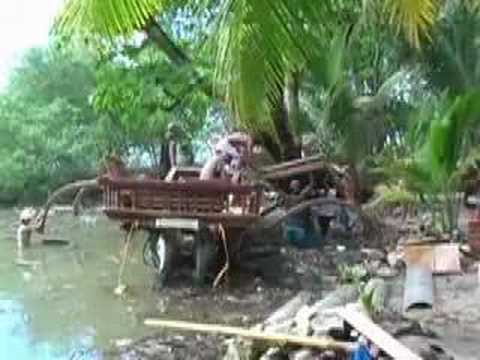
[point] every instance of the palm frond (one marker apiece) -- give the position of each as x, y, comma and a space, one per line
444, 148
107, 17
259, 43
412, 17
453, 57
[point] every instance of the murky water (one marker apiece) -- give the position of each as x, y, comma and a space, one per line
64, 306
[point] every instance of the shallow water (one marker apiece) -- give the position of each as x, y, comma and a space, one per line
64, 307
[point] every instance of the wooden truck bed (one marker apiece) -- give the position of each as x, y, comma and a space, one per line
212, 201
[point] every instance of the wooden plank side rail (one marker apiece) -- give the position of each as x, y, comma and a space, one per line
196, 186
377, 335
133, 199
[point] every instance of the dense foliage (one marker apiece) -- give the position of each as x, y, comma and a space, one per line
357, 78
46, 124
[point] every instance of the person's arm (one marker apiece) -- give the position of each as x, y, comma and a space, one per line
212, 166
208, 169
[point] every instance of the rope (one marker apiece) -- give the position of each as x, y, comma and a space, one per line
225, 268
126, 247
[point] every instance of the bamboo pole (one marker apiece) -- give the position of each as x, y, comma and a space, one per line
281, 339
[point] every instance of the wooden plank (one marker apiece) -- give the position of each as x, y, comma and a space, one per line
377, 335
447, 259
440, 258
308, 341
298, 170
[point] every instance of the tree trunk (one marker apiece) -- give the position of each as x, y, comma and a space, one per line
288, 147
285, 149
354, 191
165, 164
271, 145
292, 102
174, 53
155, 32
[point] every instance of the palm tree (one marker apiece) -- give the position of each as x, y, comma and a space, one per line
261, 46
452, 59
355, 127
441, 155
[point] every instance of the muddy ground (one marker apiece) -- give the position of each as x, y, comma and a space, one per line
248, 297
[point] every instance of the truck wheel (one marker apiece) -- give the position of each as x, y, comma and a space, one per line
162, 247
205, 253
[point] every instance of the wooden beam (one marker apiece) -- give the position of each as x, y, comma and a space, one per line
292, 163
282, 339
377, 335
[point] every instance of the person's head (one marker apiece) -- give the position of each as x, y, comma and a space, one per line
226, 151
295, 186
26, 216
227, 158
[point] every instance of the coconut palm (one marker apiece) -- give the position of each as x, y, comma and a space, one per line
439, 156
261, 46
452, 59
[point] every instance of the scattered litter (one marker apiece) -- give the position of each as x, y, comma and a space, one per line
377, 335
362, 352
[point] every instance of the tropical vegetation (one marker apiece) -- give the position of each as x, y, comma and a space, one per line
370, 83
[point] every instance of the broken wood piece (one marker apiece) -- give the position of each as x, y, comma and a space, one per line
307, 341
440, 258
447, 259
377, 335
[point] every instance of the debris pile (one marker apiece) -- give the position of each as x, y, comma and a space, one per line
350, 318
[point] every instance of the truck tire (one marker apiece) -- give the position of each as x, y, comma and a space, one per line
205, 251
162, 247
